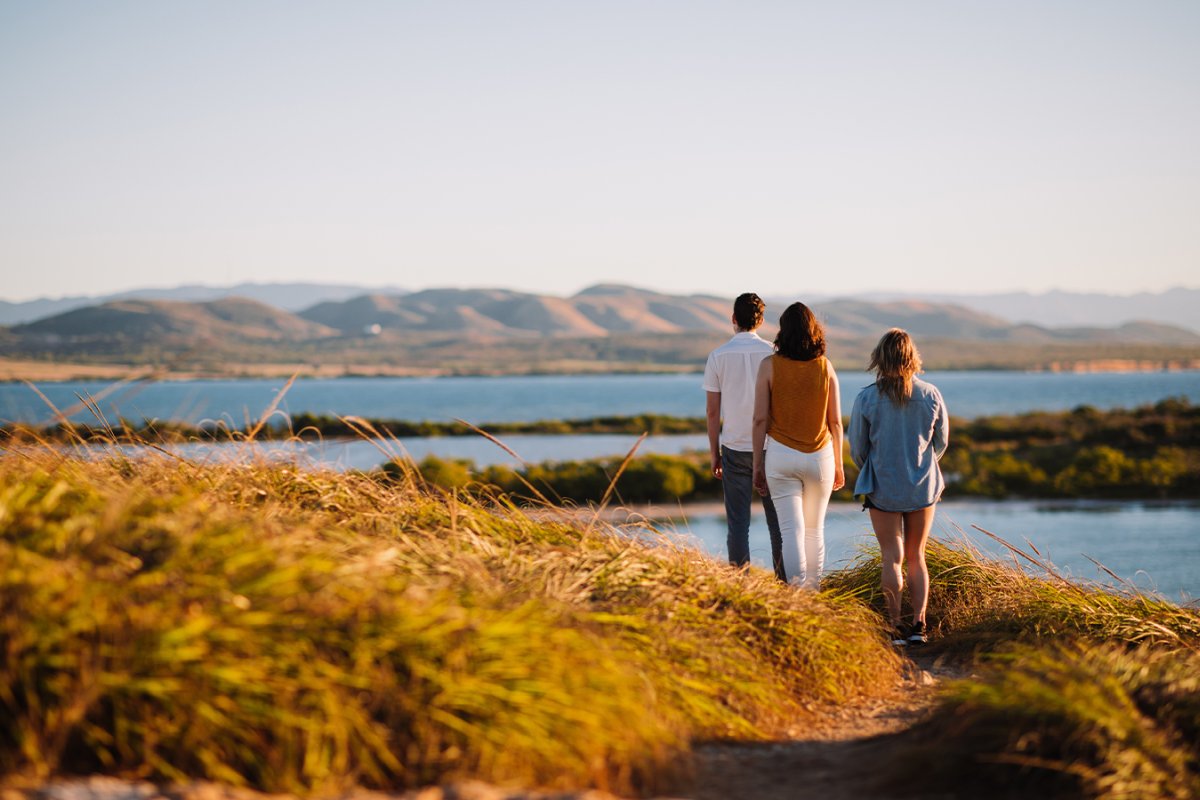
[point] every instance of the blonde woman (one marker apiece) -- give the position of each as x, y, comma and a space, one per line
797, 441
899, 428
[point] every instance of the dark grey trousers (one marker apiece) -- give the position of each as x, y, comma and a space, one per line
737, 481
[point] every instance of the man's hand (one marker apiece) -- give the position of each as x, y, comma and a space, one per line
717, 471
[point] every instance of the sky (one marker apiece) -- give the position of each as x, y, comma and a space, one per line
681, 145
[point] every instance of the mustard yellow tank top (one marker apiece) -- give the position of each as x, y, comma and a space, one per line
799, 402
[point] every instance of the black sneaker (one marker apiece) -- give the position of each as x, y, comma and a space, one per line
917, 635
899, 636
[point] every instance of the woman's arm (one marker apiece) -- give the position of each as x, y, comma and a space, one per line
941, 427
833, 418
762, 417
860, 434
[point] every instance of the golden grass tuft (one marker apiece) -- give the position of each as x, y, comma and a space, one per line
1078, 690
1066, 720
977, 603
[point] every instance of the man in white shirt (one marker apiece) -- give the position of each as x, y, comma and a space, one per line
729, 380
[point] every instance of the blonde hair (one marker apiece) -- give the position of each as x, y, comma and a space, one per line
895, 361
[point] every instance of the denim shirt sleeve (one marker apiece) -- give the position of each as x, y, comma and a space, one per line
859, 432
941, 426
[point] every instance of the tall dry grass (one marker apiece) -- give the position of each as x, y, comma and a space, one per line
978, 603
1077, 690
1065, 719
296, 630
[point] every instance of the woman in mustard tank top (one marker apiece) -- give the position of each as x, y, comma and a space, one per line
797, 439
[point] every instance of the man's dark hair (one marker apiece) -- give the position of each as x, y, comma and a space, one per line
748, 311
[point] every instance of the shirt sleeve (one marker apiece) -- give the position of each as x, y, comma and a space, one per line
941, 426
712, 380
859, 433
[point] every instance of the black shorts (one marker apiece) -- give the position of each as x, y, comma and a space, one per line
868, 504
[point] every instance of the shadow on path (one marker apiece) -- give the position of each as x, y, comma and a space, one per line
844, 759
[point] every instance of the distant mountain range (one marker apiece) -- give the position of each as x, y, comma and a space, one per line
1058, 309
1049, 310
598, 311
497, 314
287, 296
235, 318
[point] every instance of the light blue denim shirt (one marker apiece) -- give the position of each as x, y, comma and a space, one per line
897, 448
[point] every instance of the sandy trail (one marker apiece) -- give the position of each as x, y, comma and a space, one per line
837, 760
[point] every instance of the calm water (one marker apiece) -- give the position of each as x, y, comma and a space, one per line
528, 398
1154, 546
531, 449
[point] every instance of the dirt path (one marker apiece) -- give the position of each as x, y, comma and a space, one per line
839, 760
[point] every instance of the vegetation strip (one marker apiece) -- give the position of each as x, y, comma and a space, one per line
321, 426
1147, 453
1151, 452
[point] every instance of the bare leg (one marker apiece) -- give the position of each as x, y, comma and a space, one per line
889, 532
917, 525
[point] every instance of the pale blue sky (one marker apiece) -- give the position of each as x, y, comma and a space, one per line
690, 146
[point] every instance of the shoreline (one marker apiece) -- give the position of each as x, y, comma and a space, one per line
664, 512
23, 370
1120, 366
14, 371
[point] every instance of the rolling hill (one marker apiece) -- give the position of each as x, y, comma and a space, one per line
599, 311
287, 296
231, 318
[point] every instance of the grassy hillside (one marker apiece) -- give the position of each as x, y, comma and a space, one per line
301, 631
1075, 691
1066, 719
294, 631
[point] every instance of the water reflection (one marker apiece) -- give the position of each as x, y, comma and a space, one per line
1154, 546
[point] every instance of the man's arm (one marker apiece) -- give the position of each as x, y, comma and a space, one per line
762, 419
713, 416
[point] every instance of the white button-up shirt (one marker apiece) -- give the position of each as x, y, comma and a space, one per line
732, 370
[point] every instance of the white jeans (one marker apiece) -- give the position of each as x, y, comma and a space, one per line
800, 485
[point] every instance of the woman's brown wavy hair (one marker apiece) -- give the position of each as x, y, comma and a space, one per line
801, 337
895, 361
